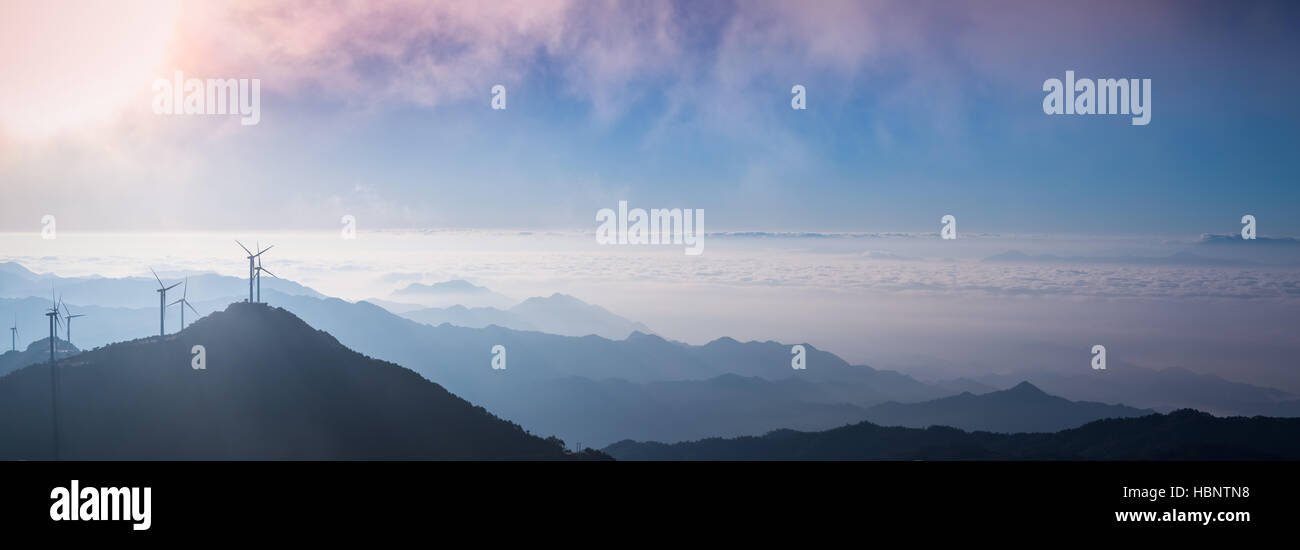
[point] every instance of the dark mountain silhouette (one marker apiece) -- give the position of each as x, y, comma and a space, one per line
1159, 389
36, 352
565, 385
1181, 435
1023, 408
274, 388
598, 390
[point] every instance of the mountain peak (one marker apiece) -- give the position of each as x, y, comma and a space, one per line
272, 387
556, 297
1024, 387
455, 286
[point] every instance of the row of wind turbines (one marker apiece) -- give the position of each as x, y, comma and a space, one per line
58, 319
54, 316
255, 270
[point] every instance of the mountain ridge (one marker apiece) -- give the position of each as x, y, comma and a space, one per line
1184, 434
274, 388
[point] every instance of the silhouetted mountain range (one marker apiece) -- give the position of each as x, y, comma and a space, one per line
1180, 435
550, 383
600, 390
36, 352
274, 388
451, 293
100, 326
557, 314
17, 281
1159, 389
1024, 408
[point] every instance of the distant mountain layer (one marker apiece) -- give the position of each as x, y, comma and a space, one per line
606, 411
597, 391
600, 412
36, 352
1159, 389
273, 388
1023, 408
556, 314
101, 325
17, 281
1181, 435
451, 293
590, 389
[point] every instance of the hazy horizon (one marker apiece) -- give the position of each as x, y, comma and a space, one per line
931, 308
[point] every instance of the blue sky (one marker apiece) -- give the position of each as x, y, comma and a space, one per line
916, 110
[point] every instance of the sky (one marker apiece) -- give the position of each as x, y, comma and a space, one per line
915, 110
381, 110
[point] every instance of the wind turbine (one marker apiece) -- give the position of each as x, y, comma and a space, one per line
69, 316
185, 290
13, 335
162, 302
252, 269
53, 314
260, 269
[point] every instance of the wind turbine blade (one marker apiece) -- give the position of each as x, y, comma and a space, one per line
65, 308
241, 245
176, 302
187, 304
173, 286
155, 276
265, 249
268, 272
186, 289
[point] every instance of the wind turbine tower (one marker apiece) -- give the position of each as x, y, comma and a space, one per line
162, 302
185, 291
13, 335
53, 314
260, 269
252, 268
69, 316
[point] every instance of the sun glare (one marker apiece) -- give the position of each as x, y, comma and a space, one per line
67, 65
